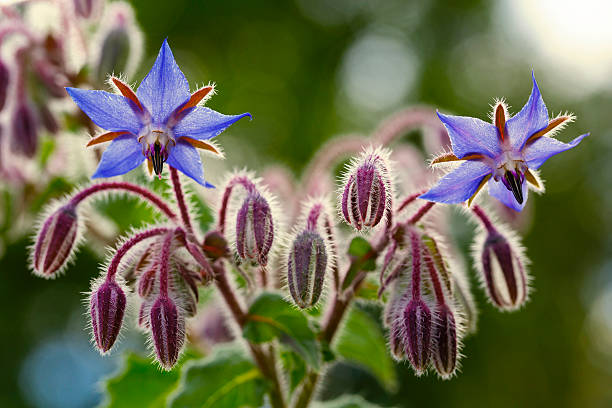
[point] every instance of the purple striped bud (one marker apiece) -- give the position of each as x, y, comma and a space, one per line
503, 272
306, 264
417, 321
444, 351
367, 191
107, 307
167, 328
5, 76
146, 282
55, 242
24, 137
254, 229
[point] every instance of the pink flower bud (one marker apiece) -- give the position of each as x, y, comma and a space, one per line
24, 135
367, 191
503, 272
167, 328
55, 242
417, 321
306, 264
107, 307
254, 229
444, 341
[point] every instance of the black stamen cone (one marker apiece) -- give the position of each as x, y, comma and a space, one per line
515, 186
157, 159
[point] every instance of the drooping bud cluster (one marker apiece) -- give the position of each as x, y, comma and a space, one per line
367, 193
56, 241
501, 264
420, 314
307, 255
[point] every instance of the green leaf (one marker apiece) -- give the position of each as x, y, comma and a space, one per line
295, 368
227, 378
361, 254
347, 401
139, 384
203, 214
363, 343
271, 316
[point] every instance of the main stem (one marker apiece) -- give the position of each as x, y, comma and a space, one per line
266, 363
180, 199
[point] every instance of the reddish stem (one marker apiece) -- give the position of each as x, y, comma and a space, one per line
164, 260
180, 199
416, 264
243, 181
421, 212
129, 187
409, 200
486, 221
129, 244
435, 279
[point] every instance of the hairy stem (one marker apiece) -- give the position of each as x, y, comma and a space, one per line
129, 244
421, 212
180, 199
152, 198
484, 218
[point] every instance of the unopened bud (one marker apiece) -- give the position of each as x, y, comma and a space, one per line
55, 242
367, 190
107, 307
115, 53
146, 282
306, 264
215, 245
254, 229
503, 272
4, 83
24, 136
85, 8
397, 334
167, 328
417, 321
444, 341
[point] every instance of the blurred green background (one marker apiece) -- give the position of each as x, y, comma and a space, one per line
309, 70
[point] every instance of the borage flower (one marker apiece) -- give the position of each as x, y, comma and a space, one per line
505, 154
160, 122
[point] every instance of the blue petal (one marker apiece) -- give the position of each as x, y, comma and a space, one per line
204, 123
109, 111
185, 158
122, 155
164, 88
542, 149
471, 136
498, 190
532, 118
458, 185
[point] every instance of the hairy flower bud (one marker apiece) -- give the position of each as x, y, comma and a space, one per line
444, 335
55, 242
5, 76
417, 321
254, 229
107, 307
85, 8
503, 272
167, 328
215, 245
146, 282
24, 136
367, 190
306, 264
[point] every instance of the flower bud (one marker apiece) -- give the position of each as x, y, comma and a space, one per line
306, 264
444, 351
5, 76
167, 328
417, 321
254, 229
107, 307
55, 242
503, 273
215, 245
367, 190
24, 137
85, 8
114, 54
397, 333
146, 282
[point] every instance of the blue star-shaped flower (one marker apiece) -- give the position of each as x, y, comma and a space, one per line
160, 122
505, 154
